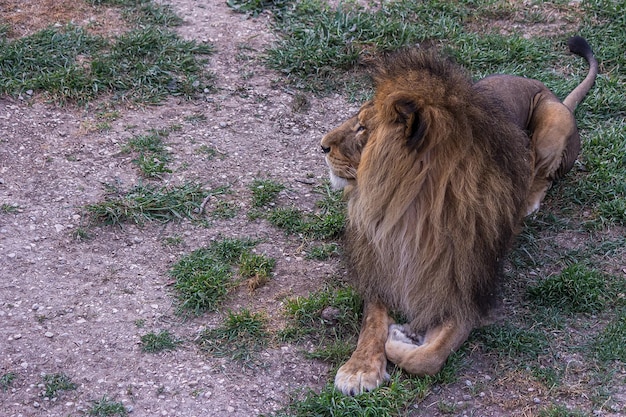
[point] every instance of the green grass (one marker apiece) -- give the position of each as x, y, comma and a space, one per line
264, 192
330, 314
327, 222
224, 210
610, 344
149, 203
512, 341
104, 407
158, 342
322, 252
6, 380
203, 278
54, 383
561, 411
577, 289
146, 64
241, 337
392, 399
9, 208
251, 265
254, 7
152, 157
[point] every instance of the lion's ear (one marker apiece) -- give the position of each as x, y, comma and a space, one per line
407, 112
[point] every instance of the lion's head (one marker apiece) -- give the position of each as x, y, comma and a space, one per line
343, 146
441, 180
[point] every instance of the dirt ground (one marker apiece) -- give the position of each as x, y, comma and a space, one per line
68, 306
72, 306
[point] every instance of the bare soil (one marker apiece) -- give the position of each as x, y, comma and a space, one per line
71, 307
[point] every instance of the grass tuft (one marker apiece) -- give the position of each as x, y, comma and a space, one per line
577, 289
105, 407
54, 383
264, 192
203, 278
391, 399
152, 156
158, 342
610, 344
145, 64
6, 380
327, 222
240, 337
509, 341
325, 316
149, 203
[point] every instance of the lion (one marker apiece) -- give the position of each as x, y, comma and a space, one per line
439, 175
439, 193
555, 141
409, 226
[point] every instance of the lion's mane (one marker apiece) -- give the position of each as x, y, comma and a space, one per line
440, 192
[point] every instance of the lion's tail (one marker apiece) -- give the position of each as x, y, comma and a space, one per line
580, 47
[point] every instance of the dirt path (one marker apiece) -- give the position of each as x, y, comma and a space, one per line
72, 307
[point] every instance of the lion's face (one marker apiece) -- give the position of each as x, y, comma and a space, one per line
343, 146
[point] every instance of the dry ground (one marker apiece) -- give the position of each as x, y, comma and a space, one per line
71, 307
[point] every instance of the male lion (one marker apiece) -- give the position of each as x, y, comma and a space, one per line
555, 142
439, 179
440, 191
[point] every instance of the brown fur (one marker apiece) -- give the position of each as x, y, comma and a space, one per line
439, 193
551, 124
555, 142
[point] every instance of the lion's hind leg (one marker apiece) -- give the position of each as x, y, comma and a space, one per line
425, 355
556, 144
367, 367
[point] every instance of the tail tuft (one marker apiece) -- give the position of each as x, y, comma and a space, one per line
579, 46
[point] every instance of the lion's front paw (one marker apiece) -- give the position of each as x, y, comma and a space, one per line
356, 377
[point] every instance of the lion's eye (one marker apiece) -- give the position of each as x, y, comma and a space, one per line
360, 128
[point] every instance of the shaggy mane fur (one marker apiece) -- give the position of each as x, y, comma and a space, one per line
440, 192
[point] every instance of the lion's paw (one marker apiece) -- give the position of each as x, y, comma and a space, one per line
357, 377
402, 334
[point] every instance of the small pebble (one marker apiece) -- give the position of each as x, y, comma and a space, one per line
49, 334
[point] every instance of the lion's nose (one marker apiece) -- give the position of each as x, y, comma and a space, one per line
325, 149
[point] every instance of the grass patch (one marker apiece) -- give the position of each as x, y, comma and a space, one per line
561, 411
6, 380
224, 210
257, 269
9, 208
264, 192
203, 278
240, 337
391, 399
158, 342
144, 12
254, 7
145, 64
327, 222
330, 317
577, 289
610, 344
104, 407
319, 40
54, 383
152, 156
149, 203
510, 341
322, 252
